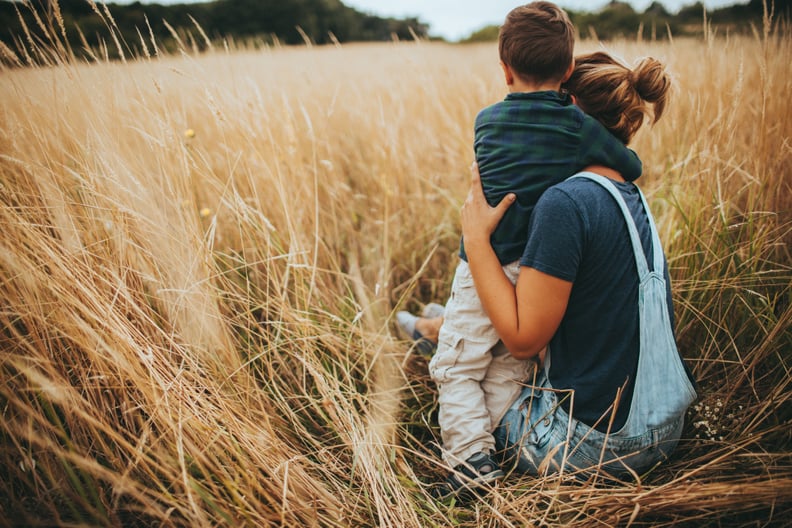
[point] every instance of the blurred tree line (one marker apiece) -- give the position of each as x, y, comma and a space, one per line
620, 19
242, 21
136, 27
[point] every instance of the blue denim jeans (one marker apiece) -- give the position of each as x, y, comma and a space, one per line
540, 438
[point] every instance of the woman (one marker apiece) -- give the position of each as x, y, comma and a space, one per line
593, 289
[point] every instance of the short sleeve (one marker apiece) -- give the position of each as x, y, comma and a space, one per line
556, 236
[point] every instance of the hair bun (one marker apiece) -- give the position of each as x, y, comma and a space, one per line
616, 95
652, 83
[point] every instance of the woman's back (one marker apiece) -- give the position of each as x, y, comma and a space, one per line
594, 350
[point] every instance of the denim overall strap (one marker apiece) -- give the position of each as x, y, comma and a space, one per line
662, 390
640, 258
657, 249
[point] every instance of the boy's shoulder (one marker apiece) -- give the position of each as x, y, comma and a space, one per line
545, 98
531, 107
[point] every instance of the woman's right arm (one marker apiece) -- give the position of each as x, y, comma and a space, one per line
526, 316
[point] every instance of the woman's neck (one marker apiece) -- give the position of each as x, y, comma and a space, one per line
605, 171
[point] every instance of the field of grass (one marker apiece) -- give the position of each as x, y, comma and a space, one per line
201, 257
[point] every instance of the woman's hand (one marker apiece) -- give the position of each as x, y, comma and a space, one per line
479, 220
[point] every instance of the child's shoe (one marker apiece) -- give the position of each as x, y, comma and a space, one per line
406, 322
476, 476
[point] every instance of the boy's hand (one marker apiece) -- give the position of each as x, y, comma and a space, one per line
479, 220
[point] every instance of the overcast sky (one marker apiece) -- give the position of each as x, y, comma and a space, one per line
455, 19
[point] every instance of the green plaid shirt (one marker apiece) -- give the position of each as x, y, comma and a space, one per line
529, 142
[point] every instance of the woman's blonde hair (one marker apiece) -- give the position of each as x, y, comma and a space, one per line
617, 96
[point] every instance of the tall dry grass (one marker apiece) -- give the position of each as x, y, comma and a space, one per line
197, 328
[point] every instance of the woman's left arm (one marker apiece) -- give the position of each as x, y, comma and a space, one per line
526, 316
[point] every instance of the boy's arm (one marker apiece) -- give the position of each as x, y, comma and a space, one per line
600, 147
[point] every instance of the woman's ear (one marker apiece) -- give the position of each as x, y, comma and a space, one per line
574, 99
508, 74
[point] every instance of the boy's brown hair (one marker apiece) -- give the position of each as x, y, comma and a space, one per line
537, 41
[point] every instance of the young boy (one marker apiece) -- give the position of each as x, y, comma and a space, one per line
524, 144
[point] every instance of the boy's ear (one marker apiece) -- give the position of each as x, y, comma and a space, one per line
569, 71
508, 74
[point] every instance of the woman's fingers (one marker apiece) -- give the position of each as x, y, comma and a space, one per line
504, 204
476, 212
475, 192
475, 177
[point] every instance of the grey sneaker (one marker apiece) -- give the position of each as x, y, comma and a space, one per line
433, 310
406, 322
476, 476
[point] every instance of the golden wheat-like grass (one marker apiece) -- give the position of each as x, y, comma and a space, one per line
200, 256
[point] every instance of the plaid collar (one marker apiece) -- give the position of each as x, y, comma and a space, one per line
552, 96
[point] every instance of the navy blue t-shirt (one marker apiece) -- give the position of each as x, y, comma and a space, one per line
578, 234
